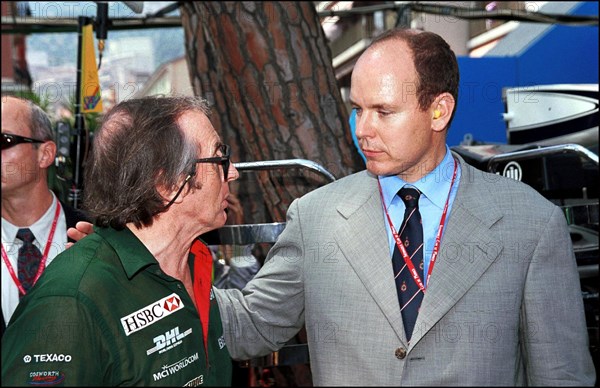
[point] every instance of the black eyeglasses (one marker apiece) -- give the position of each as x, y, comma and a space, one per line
9, 140
222, 160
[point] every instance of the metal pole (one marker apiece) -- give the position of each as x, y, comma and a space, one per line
79, 119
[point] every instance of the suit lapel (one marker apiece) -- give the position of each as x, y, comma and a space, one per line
362, 239
468, 248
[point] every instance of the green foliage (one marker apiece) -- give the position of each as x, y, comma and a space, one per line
32, 96
91, 119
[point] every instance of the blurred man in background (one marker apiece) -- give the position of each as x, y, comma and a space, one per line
34, 221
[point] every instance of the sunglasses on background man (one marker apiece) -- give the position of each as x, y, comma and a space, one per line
9, 140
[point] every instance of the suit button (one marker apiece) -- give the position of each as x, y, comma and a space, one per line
400, 353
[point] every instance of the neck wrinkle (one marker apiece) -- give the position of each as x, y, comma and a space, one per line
26, 210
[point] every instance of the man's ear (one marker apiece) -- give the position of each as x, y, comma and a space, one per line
168, 193
441, 111
46, 154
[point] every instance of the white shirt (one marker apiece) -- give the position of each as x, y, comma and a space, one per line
11, 244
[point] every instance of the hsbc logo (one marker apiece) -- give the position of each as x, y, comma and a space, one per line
172, 303
150, 314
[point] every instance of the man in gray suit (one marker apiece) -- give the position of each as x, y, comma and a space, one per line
501, 301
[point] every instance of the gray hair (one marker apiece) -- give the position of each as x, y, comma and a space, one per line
39, 123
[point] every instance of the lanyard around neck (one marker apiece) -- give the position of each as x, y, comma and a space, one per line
438, 237
44, 257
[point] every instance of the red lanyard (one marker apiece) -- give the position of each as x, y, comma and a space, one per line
44, 257
438, 237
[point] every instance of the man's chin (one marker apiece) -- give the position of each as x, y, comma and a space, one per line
379, 169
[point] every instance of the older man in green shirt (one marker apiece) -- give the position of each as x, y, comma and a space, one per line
132, 304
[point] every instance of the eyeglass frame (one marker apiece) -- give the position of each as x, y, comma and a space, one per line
19, 140
223, 160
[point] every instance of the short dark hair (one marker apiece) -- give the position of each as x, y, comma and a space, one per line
434, 60
139, 147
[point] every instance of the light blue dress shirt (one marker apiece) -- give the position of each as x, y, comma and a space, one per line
434, 188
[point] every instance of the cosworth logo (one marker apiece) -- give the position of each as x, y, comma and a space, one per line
150, 314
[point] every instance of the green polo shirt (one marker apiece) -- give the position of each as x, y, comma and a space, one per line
104, 313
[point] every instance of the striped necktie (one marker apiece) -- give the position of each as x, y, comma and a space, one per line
411, 235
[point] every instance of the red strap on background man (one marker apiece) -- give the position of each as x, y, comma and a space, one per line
203, 262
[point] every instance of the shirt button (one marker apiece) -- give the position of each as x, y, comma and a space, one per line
179, 286
400, 353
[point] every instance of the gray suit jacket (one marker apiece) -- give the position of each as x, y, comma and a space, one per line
503, 306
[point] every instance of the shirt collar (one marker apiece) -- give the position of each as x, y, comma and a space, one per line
9, 232
434, 186
132, 253
40, 228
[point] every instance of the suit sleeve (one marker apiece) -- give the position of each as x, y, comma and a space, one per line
554, 331
270, 309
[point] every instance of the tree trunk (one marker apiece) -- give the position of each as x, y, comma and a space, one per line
265, 68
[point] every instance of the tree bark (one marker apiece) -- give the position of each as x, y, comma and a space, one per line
265, 67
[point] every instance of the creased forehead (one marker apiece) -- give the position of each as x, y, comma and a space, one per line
16, 106
16, 116
386, 68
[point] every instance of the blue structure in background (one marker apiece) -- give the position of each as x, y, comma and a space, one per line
558, 55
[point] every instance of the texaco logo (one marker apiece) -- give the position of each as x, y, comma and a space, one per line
513, 170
